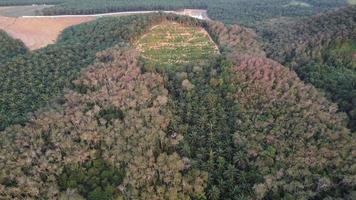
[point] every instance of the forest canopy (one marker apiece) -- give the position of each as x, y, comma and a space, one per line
321, 50
10, 47
258, 105
30, 81
249, 13
238, 126
28, 2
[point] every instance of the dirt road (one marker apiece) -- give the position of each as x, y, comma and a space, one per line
196, 13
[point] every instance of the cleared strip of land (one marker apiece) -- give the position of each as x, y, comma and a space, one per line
196, 13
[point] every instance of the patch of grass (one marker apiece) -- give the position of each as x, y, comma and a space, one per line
170, 44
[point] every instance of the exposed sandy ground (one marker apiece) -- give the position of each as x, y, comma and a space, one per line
38, 33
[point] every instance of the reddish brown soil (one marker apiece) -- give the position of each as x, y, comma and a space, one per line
38, 32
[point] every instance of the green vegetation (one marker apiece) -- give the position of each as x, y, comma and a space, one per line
28, 2
229, 11
171, 44
79, 138
342, 53
18, 11
321, 51
239, 130
93, 6
32, 80
335, 72
236, 126
243, 12
239, 126
93, 179
10, 47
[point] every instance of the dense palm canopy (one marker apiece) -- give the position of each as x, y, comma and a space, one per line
111, 126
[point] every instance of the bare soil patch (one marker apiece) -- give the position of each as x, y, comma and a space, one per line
38, 32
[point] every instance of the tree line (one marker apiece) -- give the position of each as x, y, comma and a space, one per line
248, 13
28, 2
10, 47
307, 47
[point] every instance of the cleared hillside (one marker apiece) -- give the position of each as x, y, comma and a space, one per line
172, 44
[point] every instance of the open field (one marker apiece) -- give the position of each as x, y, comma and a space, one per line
38, 33
17, 11
172, 44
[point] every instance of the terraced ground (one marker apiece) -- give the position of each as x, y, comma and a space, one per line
170, 44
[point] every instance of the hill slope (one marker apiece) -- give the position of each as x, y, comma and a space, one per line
313, 49
10, 47
32, 80
239, 125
